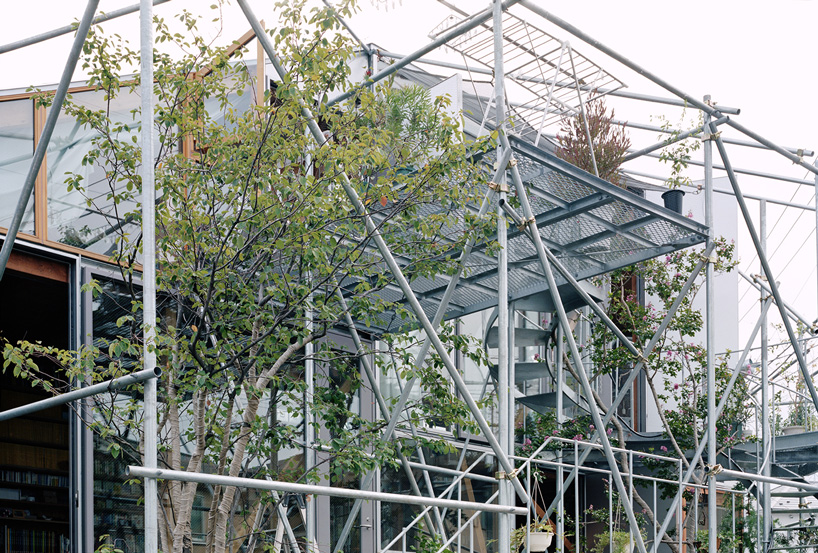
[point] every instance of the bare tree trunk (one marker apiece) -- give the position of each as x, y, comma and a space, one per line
240, 446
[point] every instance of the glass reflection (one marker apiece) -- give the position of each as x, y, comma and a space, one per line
95, 214
16, 153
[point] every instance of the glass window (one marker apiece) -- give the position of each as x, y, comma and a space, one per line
88, 217
16, 153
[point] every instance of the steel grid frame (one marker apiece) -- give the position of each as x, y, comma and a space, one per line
545, 249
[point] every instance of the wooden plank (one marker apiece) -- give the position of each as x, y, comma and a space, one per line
38, 266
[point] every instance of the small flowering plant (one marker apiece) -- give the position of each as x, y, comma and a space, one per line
539, 427
676, 369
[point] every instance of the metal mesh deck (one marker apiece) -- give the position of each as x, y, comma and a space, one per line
592, 226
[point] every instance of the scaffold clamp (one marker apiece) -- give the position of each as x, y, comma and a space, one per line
525, 222
713, 470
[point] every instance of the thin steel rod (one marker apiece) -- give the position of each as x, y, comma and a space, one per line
661, 82
81, 393
802, 362
672, 140
582, 112
48, 129
765, 400
452, 472
735, 141
370, 375
719, 408
459, 30
749, 172
768, 200
505, 394
394, 268
312, 489
11, 46
603, 91
445, 492
620, 396
758, 285
367, 50
149, 419
710, 335
488, 200
575, 355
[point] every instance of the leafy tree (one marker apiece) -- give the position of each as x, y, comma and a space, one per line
676, 369
610, 141
256, 241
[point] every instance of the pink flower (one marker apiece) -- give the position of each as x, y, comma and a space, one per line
663, 448
536, 357
610, 431
676, 386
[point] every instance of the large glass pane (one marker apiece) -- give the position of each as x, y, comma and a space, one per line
118, 512
16, 152
88, 217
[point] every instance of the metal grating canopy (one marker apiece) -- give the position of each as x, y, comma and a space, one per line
546, 70
591, 226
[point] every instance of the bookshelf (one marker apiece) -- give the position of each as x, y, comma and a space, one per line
34, 486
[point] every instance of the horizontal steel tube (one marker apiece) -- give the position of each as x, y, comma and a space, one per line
54, 33
738, 475
459, 30
758, 285
750, 172
81, 393
566, 84
735, 141
452, 472
290, 487
688, 99
672, 140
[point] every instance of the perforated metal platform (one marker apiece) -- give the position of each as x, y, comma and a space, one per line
591, 226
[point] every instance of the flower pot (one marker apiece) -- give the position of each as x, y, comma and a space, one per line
790, 430
539, 541
673, 200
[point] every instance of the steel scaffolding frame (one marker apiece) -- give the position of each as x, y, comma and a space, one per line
529, 223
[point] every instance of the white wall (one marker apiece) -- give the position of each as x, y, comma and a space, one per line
725, 224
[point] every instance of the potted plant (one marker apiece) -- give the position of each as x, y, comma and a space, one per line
619, 540
540, 535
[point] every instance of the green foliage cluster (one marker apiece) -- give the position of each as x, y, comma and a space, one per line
256, 240
538, 427
676, 367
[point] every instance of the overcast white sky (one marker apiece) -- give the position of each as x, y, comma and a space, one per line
758, 56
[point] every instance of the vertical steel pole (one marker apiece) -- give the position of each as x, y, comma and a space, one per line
503, 349
710, 340
48, 129
816, 222
149, 270
765, 398
309, 431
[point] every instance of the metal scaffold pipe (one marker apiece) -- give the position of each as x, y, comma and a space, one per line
330, 491
393, 266
149, 420
54, 33
465, 27
48, 129
81, 393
